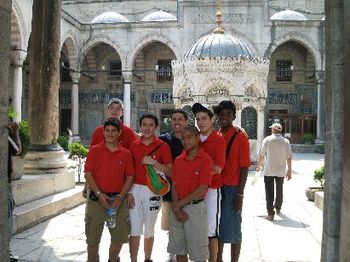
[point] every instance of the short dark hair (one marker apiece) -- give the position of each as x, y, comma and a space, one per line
112, 122
151, 116
193, 129
181, 111
225, 104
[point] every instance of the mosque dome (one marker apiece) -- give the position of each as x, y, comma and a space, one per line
288, 15
109, 18
159, 16
219, 45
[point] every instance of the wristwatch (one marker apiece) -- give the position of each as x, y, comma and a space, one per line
98, 193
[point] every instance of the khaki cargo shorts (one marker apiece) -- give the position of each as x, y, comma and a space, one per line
95, 217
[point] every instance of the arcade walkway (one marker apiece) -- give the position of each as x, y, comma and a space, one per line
295, 235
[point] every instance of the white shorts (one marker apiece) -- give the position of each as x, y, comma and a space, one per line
213, 201
143, 216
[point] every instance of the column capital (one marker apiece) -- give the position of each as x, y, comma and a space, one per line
127, 75
320, 75
18, 57
75, 77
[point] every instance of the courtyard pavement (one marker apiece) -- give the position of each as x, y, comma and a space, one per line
294, 235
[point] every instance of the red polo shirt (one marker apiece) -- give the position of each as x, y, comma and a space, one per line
215, 147
125, 139
189, 174
109, 169
138, 150
239, 157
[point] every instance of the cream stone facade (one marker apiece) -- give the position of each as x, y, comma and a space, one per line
124, 49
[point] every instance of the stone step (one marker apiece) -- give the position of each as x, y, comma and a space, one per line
33, 187
319, 196
35, 212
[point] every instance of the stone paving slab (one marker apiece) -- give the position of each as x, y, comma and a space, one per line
294, 235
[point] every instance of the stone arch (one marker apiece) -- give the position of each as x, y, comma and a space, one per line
249, 120
146, 40
299, 38
72, 48
106, 40
17, 28
184, 92
251, 90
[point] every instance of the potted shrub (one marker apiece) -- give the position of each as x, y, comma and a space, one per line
319, 176
78, 152
308, 138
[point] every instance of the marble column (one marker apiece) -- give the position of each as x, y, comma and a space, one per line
17, 60
75, 103
127, 96
44, 152
320, 107
5, 34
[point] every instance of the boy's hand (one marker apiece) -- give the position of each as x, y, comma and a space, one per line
147, 160
104, 200
181, 216
237, 204
130, 200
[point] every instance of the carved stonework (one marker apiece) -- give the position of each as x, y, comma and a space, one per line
18, 57
217, 90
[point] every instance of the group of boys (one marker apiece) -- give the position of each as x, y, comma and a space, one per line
207, 170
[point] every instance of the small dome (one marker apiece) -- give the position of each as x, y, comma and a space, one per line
219, 45
288, 15
109, 18
159, 16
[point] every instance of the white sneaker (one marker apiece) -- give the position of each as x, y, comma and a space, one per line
171, 258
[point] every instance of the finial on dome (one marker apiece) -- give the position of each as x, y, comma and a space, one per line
218, 20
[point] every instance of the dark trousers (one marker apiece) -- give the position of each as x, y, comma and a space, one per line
270, 193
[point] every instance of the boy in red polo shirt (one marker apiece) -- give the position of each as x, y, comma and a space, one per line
234, 176
149, 150
188, 221
114, 111
214, 145
109, 171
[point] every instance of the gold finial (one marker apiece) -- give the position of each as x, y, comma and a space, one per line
218, 20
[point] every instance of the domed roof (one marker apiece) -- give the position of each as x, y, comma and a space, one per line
219, 45
109, 18
159, 16
288, 15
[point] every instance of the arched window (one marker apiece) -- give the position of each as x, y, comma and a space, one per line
250, 122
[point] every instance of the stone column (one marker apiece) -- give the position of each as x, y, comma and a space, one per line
5, 33
320, 107
44, 153
127, 96
75, 103
17, 60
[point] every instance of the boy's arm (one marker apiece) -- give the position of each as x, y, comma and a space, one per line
198, 192
93, 186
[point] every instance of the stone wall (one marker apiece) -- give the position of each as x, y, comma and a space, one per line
5, 22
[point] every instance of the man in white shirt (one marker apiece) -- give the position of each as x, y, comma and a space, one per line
277, 153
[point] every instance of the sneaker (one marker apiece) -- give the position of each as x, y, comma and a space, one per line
278, 211
13, 258
171, 258
270, 217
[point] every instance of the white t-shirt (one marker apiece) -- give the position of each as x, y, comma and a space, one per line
276, 150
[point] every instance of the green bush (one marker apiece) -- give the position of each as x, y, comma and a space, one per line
319, 175
308, 138
77, 150
62, 140
24, 136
